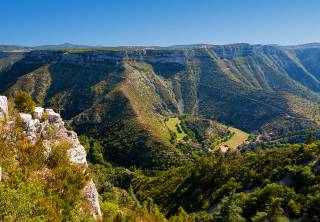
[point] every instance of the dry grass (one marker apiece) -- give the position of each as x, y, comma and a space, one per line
237, 139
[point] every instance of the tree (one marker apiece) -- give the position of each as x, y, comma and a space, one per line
24, 102
228, 211
309, 138
273, 213
181, 216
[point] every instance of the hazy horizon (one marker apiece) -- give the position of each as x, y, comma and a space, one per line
165, 46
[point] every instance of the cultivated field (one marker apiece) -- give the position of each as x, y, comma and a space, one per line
237, 139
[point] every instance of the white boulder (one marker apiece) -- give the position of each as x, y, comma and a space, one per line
3, 107
38, 112
49, 110
53, 116
30, 126
77, 154
25, 117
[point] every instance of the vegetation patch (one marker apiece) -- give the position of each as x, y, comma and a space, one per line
174, 125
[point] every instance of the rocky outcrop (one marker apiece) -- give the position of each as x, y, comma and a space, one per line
3, 107
51, 130
77, 153
92, 196
31, 126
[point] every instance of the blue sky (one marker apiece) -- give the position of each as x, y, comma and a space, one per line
159, 22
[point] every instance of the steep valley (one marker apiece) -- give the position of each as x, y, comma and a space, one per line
121, 95
188, 133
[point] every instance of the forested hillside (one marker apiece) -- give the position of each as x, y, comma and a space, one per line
162, 128
122, 96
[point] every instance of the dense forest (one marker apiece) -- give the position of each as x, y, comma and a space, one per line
273, 184
278, 184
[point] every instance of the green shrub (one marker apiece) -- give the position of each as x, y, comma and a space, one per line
24, 102
44, 117
58, 155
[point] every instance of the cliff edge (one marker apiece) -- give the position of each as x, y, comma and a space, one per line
47, 126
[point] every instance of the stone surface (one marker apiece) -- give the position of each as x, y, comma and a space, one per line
38, 112
53, 116
25, 117
30, 126
77, 154
42, 128
3, 107
47, 145
92, 196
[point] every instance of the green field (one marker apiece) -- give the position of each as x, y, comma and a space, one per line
237, 139
172, 124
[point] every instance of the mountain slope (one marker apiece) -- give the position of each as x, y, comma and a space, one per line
122, 96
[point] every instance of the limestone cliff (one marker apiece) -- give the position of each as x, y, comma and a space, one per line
47, 125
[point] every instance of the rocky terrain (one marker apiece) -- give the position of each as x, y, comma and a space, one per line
52, 131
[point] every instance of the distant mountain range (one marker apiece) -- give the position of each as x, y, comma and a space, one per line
77, 46
44, 47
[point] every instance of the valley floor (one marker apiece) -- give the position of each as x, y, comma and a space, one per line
237, 139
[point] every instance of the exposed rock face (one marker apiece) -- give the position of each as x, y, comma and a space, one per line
3, 106
92, 196
31, 126
53, 116
77, 153
151, 56
34, 129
